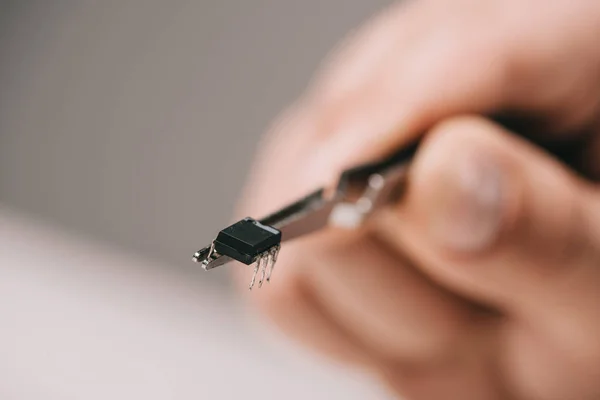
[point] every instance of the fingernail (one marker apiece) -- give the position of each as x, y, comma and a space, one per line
469, 209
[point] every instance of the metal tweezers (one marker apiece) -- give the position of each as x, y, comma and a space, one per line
359, 191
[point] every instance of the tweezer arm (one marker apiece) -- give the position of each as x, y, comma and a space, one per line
301, 217
373, 183
359, 191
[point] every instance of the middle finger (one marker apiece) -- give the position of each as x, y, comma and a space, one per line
381, 300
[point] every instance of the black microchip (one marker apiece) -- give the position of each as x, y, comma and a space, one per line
246, 240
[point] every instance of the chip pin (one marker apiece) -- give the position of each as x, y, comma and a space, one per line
273, 253
255, 273
265, 262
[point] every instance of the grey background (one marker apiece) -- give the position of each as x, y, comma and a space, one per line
135, 121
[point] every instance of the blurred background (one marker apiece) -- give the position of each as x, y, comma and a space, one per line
126, 131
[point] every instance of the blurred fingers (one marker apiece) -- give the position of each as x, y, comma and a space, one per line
383, 301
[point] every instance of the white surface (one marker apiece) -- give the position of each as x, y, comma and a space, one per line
79, 321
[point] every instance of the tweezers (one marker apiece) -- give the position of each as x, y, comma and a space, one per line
358, 193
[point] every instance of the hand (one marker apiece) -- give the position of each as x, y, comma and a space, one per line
484, 281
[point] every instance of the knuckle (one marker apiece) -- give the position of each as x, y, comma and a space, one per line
430, 349
457, 132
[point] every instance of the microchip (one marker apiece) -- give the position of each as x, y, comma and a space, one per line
247, 240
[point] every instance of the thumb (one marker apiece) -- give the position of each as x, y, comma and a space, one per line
498, 220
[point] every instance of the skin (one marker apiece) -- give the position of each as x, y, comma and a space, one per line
483, 282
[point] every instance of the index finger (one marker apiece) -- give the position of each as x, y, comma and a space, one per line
417, 64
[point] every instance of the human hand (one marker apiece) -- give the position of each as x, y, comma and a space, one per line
484, 281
